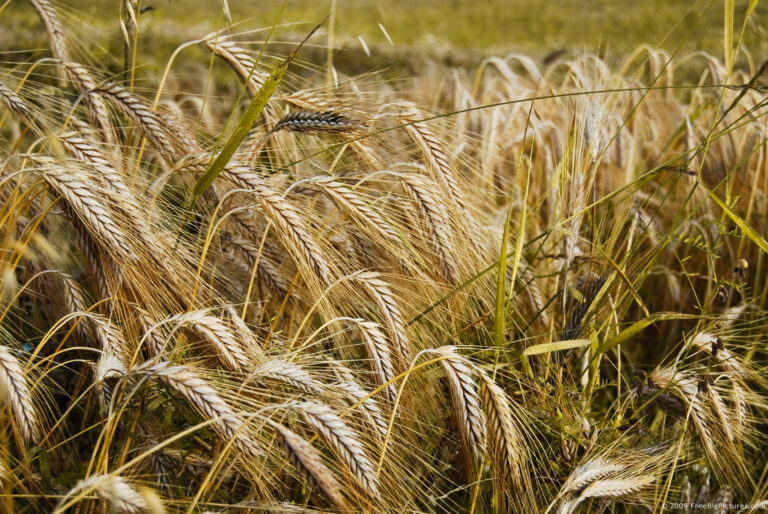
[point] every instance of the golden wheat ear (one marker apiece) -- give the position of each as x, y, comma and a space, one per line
308, 461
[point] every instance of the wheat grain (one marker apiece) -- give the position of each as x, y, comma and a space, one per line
216, 333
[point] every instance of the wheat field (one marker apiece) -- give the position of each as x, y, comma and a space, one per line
265, 284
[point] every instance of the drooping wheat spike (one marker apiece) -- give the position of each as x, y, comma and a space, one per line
291, 228
740, 412
282, 213
108, 366
380, 353
466, 403
245, 334
312, 122
208, 402
16, 392
266, 270
89, 154
114, 489
166, 137
309, 462
370, 408
47, 13
239, 58
221, 338
288, 373
94, 258
344, 442
356, 208
97, 108
75, 186
684, 387
111, 339
509, 450
74, 300
310, 101
15, 104
155, 342
586, 473
436, 221
721, 411
723, 356
616, 488
381, 293
434, 153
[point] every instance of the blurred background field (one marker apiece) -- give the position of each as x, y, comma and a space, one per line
457, 32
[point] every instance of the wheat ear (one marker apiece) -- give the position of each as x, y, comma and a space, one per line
344, 442
206, 400
240, 60
509, 453
356, 208
380, 354
282, 213
466, 402
75, 187
288, 373
221, 338
308, 462
381, 293
16, 391
15, 104
436, 220
435, 155
171, 141
307, 121
114, 489
266, 269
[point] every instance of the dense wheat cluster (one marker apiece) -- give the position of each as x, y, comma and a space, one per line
514, 288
